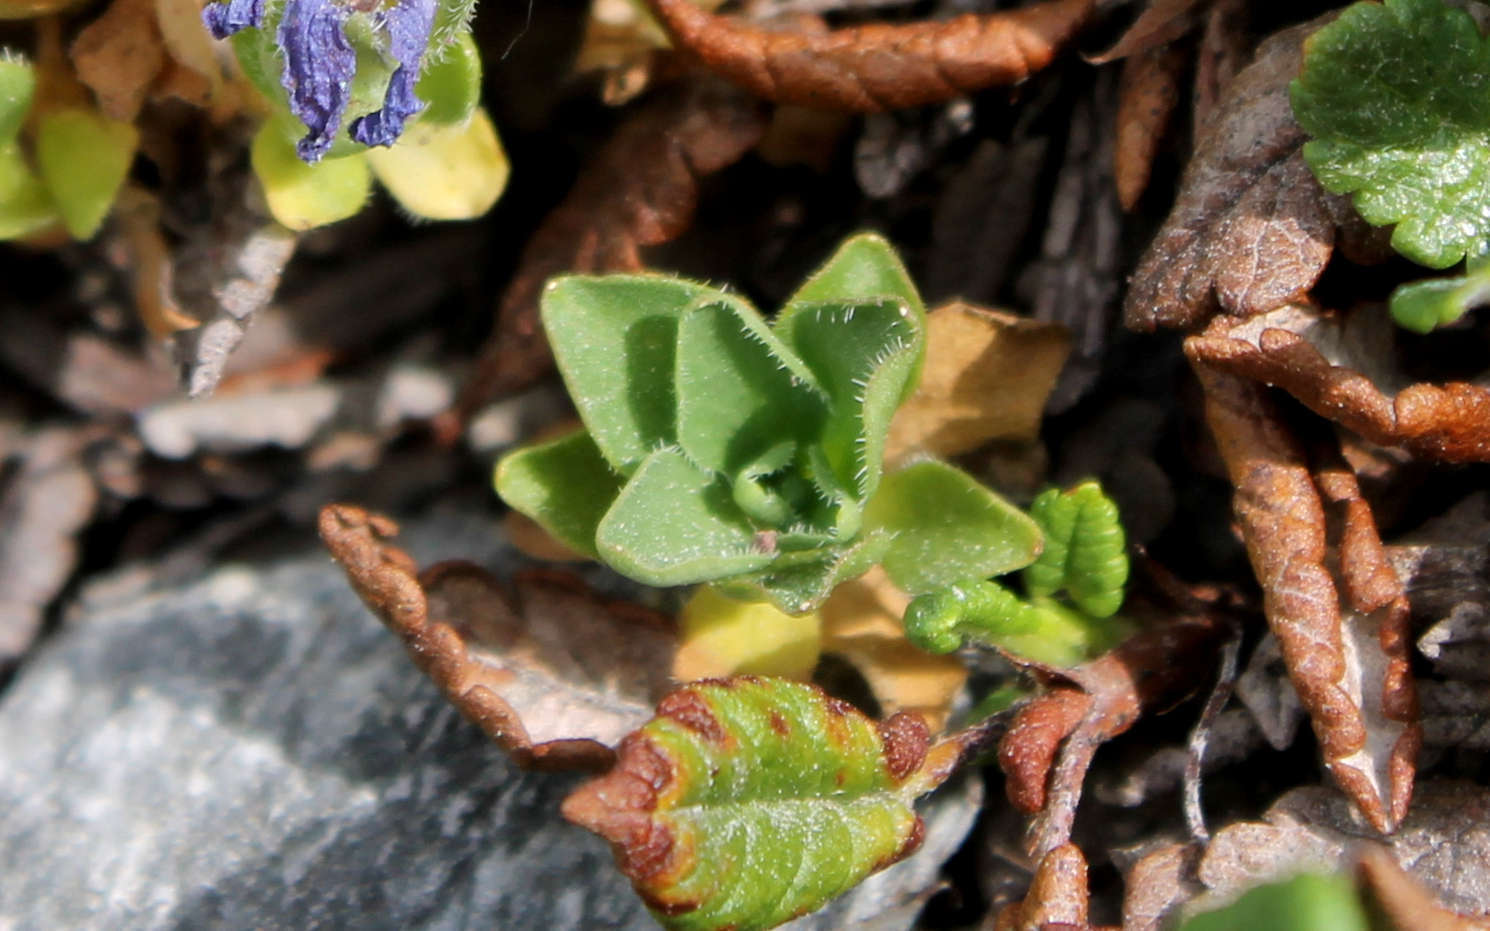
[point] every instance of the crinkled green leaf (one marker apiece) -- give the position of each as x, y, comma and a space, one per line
863, 355
1307, 902
799, 582
17, 87
564, 484
1086, 551
614, 338
675, 523
985, 612
25, 207
747, 801
82, 158
948, 528
303, 196
865, 268
1397, 98
740, 389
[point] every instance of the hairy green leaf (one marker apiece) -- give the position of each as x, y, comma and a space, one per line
748, 801
17, 87
675, 523
451, 84
740, 390
1307, 902
1397, 98
799, 581
948, 528
1086, 551
615, 340
564, 484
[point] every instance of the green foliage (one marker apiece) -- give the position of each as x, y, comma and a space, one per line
83, 157
1307, 902
1085, 556
766, 798
1397, 98
17, 87
750, 455
305, 196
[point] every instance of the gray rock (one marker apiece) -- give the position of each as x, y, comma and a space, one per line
253, 750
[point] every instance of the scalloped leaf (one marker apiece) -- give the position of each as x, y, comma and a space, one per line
615, 340
746, 802
863, 355
740, 389
948, 528
675, 523
1397, 98
1086, 550
564, 484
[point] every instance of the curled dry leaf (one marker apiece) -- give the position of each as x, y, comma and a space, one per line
1404, 901
1148, 94
1251, 228
139, 49
987, 376
640, 189
1346, 645
1057, 897
877, 66
1160, 882
1443, 843
552, 674
1160, 23
1301, 350
1152, 669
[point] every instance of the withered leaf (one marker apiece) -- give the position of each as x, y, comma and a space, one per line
1310, 355
119, 56
1161, 22
1445, 565
1345, 640
1443, 843
551, 673
639, 190
1404, 901
1057, 897
1151, 669
877, 66
1148, 94
1160, 882
1251, 228
987, 376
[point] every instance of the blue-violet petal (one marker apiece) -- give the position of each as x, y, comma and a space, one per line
407, 24
319, 64
224, 19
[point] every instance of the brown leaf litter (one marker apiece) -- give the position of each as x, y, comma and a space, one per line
877, 66
1341, 617
552, 673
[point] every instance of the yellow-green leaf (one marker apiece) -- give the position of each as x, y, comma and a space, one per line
444, 172
305, 196
82, 158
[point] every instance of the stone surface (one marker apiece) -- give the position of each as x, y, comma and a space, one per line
253, 750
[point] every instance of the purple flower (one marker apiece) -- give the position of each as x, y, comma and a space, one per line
319, 64
407, 24
224, 19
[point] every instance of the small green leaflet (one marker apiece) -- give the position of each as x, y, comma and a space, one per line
1397, 98
749, 801
1086, 551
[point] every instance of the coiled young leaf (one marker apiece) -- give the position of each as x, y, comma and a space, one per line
749, 801
1086, 551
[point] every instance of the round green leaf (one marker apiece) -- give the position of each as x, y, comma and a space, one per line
305, 196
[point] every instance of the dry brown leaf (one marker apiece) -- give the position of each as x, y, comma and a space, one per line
639, 190
1346, 646
1148, 94
877, 66
1057, 897
1251, 228
137, 213
1446, 423
1160, 23
1404, 901
861, 622
119, 55
552, 674
987, 376
1223, 52
1443, 843
1163, 880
